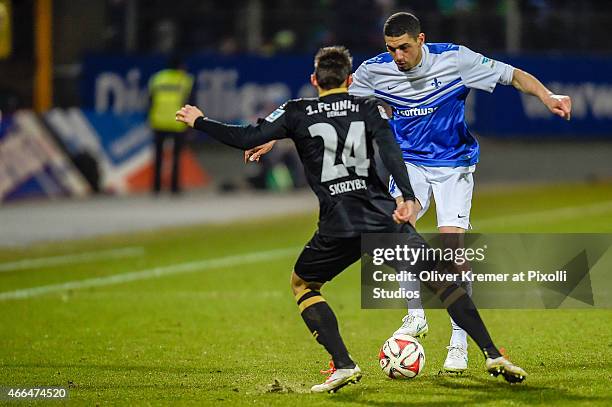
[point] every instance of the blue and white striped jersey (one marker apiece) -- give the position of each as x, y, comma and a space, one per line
429, 100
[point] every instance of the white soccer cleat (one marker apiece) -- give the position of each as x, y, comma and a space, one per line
414, 326
502, 366
337, 379
456, 360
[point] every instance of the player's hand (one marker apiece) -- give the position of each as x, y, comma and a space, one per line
404, 211
188, 114
561, 105
254, 154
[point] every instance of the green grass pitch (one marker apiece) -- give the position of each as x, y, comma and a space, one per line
220, 331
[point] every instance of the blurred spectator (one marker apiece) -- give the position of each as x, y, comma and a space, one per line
284, 40
169, 90
165, 36
228, 46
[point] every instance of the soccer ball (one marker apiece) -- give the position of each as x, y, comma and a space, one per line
401, 357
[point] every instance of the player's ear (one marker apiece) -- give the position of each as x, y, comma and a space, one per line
349, 80
421, 38
313, 80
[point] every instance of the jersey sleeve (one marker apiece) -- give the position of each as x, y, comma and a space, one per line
390, 153
362, 84
273, 127
480, 72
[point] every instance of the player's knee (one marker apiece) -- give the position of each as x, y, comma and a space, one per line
298, 285
452, 237
452, 230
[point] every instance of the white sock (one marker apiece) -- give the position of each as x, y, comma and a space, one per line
458, 335
414, 305
417, 312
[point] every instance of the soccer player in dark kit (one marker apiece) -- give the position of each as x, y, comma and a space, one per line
334, 136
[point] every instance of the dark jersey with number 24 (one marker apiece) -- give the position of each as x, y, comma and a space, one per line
333, 135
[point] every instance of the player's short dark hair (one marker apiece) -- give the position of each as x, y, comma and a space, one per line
332, 66
402, 23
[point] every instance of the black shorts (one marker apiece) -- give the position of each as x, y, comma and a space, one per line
324, 257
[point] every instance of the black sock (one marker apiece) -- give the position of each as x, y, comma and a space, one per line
463, 311
323, 325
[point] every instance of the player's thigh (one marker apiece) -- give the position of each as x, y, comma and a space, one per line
324, 257
402, 236
452, 190
410, 238
420, 186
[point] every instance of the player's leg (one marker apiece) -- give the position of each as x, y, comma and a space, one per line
178, 142
320, 320
159, 153
463, 311
457, 357
452, 192
414, 323
321, 260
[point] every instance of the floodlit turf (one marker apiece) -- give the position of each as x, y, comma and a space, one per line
220, 333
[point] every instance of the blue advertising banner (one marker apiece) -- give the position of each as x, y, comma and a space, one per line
117, 84
230, 88
587, 80
243, 88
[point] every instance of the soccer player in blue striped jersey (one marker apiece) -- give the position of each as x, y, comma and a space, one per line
426, 85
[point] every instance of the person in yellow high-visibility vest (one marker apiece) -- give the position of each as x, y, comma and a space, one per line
169, 89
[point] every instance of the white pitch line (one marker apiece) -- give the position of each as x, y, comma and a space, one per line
85, 257
156, 272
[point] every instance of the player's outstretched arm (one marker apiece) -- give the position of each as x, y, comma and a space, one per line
242, 137
561, 105
254, 154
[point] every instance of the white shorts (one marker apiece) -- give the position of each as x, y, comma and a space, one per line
452, 190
